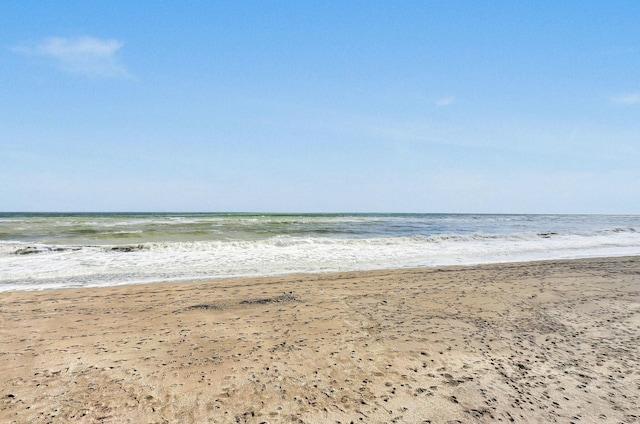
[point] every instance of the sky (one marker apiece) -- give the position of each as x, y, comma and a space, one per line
320, 106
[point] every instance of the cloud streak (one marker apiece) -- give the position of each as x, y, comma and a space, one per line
86, 56
627, 99
445, 101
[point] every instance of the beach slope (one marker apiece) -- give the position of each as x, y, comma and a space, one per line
553, 341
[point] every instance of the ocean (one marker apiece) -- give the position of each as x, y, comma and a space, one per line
67, 250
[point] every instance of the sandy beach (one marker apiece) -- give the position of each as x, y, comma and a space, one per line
541, 342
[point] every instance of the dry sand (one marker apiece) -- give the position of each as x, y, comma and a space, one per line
539, 342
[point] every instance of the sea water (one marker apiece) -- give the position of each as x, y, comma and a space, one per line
44, 251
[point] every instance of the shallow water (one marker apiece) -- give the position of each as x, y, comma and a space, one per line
40, 251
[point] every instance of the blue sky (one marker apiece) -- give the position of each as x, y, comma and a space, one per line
495, 107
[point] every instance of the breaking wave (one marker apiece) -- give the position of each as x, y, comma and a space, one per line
28, 266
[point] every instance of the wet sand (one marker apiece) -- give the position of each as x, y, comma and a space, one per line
541, 342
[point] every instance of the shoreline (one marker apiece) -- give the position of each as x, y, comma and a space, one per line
313, 275
516, 341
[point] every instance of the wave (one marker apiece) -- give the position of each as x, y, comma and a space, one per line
615, 236
155, 256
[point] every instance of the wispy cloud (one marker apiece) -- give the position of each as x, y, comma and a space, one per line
446, 101
83, 55
627, 99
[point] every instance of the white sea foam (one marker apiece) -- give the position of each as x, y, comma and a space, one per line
28, 266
